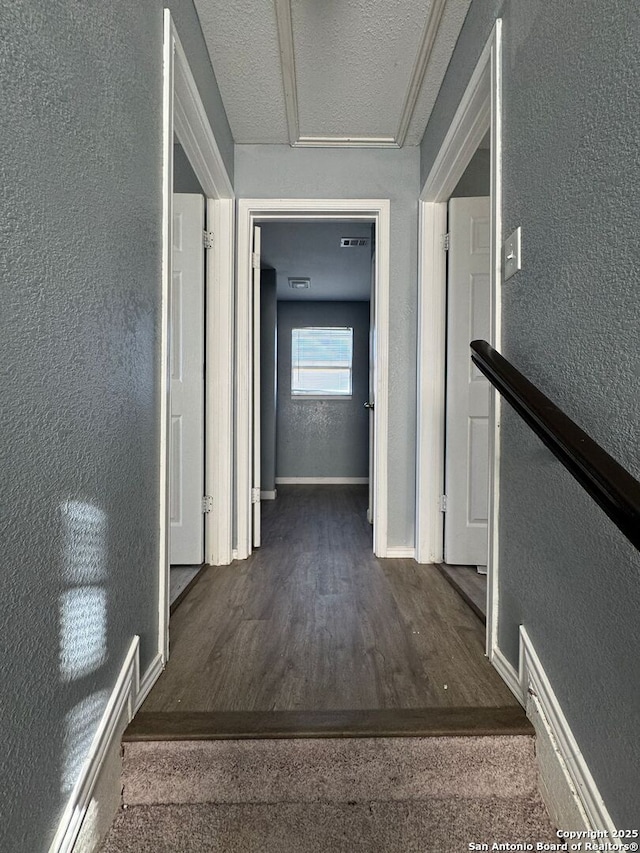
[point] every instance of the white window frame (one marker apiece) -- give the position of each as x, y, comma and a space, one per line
322, 395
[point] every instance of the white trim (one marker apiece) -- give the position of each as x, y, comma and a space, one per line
346, 142
165, 302
153, 673
322, 480
479, 109
121, 701
288, 66
219, 387
353, 210
268, 494
192, 127
416, 80
401, 552
534, 682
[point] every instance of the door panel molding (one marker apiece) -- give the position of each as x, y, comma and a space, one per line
250, 212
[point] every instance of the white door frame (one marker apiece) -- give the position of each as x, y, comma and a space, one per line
184, 114
479, 110
250, 212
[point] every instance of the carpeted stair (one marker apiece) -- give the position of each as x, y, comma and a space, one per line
329, 795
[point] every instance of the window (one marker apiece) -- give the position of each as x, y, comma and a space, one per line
321, 360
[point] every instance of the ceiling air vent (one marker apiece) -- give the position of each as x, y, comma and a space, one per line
300, 283
350, 242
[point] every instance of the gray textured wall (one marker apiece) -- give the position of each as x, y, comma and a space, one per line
268, 336
570, 323
184, 178
323, 438
476, 180
275, 171
80, 228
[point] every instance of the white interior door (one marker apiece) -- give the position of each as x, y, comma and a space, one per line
467, 419
186, 470
255, 491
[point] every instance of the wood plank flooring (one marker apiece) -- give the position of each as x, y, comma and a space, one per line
471, 585
314, 623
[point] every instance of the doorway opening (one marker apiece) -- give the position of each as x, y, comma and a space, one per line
273, 218
476, 123
185, 120
315, 328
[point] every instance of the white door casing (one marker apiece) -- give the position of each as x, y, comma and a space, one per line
467, 390
372, 387
256, 474
251, 211
186, 476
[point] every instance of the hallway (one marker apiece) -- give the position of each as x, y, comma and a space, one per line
315, 626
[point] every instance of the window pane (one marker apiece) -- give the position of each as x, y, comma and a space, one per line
321, 360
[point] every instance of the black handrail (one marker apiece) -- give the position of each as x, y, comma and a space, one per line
608, 483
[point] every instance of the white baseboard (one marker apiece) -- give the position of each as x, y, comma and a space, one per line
536, 685
400, 552
566, 783
323, 481
269, 495
121, 702
149, 679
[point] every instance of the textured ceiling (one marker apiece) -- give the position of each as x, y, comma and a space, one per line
369, 69
312, 250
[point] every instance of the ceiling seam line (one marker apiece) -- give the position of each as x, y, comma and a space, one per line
288, 67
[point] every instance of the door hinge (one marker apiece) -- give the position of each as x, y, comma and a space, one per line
207, 503
443, 503
207, 239
255, 260
255, 496
446, 242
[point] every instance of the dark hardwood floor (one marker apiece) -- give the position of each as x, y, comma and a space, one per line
313, 622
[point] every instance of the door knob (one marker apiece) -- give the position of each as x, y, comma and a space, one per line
369, 405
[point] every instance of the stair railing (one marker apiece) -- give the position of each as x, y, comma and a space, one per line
613, 488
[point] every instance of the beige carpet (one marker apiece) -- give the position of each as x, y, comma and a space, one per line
323, 795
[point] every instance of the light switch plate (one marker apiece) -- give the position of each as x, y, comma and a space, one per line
512, 254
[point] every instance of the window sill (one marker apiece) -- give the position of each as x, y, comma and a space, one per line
317, 397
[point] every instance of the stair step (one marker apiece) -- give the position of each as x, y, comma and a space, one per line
440, 826
329, 770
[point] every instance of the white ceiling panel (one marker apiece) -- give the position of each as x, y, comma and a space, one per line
356, 70
242, 39
354, 63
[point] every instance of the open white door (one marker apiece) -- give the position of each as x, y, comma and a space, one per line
186, 472
255, 491
467, 420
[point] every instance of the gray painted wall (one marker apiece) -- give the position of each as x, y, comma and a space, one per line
277, 171
80, 223
268, 337
323, 438
312, 250
476, 180
184, 178
570, 323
